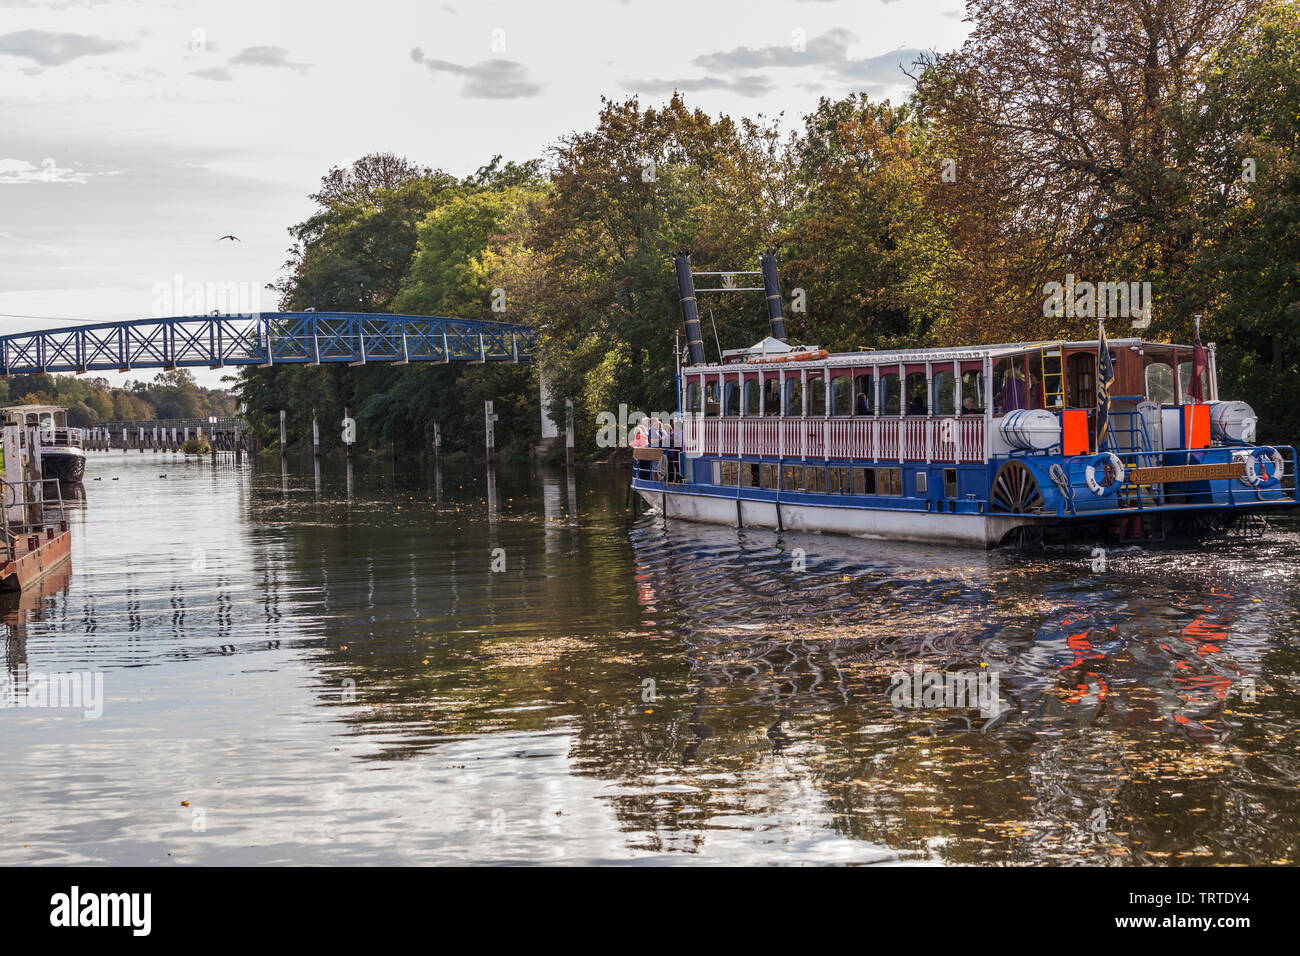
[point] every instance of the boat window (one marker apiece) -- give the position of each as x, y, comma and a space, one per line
1009, 389
793, 397
916, 393
771, 477
1080, 381
792, 479
772, 397
864, 395
817, 396
724, 473
711, 399
1160, 383
1185, 380
889, 481
751, 397
840, 481
749, 474
814, 479
972, 392
693, 398
733, 399
889, 393
945, 393
864, 481
841, 396
950, 482
47, 421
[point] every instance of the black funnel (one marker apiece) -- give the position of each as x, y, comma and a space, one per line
772, 288
690, 311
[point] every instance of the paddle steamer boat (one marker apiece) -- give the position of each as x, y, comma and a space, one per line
966, 445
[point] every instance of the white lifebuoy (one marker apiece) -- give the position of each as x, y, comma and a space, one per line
1257, 461
1112, 470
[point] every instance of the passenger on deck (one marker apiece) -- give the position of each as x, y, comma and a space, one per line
863, 406
656, 433
1035, 392
917, 405
639, 437
673, 444
1013, 391
968, 406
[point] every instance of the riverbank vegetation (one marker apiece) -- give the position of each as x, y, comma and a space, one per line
1126, 142
89, 400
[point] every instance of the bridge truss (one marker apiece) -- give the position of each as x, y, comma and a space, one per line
264, 340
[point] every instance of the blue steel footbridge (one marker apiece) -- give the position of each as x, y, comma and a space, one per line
264, 340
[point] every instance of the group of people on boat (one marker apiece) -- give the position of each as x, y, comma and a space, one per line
657, 433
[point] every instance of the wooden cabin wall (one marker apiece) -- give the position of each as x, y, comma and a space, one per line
1130, 370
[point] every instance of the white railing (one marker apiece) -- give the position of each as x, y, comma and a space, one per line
954, 439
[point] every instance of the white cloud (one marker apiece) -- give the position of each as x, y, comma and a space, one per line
46, 48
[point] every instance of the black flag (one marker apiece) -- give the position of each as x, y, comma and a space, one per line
1105, 379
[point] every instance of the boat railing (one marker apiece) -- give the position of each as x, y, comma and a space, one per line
913, 438
63, 437
28, 508
1141, 496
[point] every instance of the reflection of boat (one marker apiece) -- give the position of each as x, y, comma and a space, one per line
958, 445
17, 609
62, 454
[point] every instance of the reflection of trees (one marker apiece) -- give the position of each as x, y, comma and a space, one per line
773, 684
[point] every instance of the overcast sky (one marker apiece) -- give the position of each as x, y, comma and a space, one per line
134, 134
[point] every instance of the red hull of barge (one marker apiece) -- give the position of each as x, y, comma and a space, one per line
28, 564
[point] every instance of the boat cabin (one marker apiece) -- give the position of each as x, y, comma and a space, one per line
777, 400
45, 417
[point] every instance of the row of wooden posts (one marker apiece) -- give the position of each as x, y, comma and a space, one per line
489, 437
160, 438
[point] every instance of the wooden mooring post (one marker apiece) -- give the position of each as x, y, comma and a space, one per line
489, 437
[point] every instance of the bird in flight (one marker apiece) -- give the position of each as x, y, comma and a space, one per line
235, 238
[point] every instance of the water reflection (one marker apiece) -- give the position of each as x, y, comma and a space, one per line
625, 688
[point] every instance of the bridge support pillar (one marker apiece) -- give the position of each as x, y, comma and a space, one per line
550, 433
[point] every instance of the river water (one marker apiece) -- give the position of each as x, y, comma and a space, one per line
454, 666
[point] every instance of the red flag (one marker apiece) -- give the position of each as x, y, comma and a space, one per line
1200, 362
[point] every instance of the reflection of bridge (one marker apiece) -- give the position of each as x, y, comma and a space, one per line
264, 339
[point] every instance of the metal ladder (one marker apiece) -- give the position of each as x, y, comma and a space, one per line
1139, 443
1053, 382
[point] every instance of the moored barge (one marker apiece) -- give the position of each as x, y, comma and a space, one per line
966, 446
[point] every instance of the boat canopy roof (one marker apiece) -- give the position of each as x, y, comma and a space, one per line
738, 357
